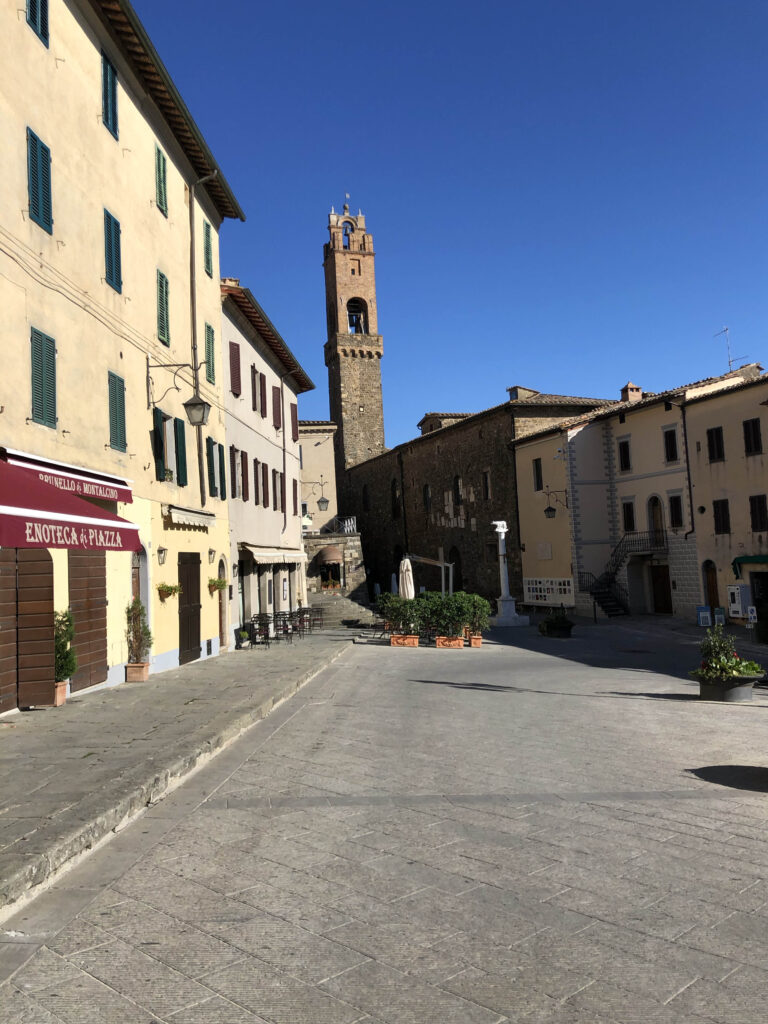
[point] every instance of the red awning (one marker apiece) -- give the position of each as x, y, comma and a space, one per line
36, 515
82, 482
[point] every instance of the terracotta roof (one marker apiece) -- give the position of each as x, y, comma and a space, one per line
317, 423
544, 398
256, 316
138, 50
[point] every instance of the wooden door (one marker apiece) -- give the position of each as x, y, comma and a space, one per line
710, 586
662, 592
8, 681
189, 607
88, 601
34, 627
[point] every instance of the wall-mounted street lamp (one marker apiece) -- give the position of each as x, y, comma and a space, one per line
196, 408
211, 555
161, 555
550, 511
322, 501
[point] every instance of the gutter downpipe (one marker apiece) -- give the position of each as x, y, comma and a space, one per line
193, 322
687, 470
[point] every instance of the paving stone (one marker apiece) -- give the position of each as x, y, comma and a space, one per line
87, 1001
215, 1010
18, 1008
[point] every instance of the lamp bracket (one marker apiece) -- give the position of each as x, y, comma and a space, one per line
177, 368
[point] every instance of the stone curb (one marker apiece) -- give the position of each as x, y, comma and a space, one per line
133, 795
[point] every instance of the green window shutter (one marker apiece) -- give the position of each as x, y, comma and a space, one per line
222, 473
161, 181
116, 412
158, 443
207, 248
210, 451
39, 182
163, 322
112, 260
43, 378
109, 94
210, 354
179, 429
37, 18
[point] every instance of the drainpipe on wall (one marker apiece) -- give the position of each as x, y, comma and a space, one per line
193, 323
687, 469
285, 464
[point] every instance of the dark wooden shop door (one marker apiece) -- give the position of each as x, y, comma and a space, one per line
88, 601
8, 681
662, 592
189, 607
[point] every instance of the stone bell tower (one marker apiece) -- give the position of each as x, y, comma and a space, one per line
354, 346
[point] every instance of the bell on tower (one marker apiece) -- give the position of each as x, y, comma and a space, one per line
354, 346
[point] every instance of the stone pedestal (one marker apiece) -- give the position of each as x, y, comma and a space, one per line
507, 615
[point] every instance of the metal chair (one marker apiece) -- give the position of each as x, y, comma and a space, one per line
317, 617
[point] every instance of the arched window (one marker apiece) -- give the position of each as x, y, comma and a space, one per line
457, 496
426, 495
395, 492
366, 499
655, 518
347, 234
357, 316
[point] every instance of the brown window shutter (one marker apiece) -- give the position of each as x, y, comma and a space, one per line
277, 420
256, 481
294, 422
234, 368
244, 467
282, 492
295, 497
263, 395
265, 485
233, 469
254, 388
274, 490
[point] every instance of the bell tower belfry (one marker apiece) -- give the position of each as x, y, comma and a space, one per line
354, 346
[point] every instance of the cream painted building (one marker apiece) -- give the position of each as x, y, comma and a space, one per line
262, 381
619, 532
318, 475
108, 187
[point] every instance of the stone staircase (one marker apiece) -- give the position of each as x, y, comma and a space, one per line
339, 610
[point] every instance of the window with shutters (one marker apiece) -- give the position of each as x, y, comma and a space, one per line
254, 388
716, 448
163, 317
628, 516
222, 474
294, 422
265, 485
39, 182
163, 445
426, 498
210, 453
722, 516
458, 496
670, 445
538, 476
109, 95
758, 513
234, 368
161, 181
277, 419
753, 441
244, 479
116, 389
37, 18
295, 488
112, 261
283, 505
486, 485
301, 456
180, 435
207, 248
210, 354
233, 465
256, 481
625, 458
263, 395
43, 379
275, 493
675, 511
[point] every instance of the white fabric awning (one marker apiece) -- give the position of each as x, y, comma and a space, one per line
275, 556
190, 517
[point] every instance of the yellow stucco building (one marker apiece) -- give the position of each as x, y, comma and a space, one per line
110, 315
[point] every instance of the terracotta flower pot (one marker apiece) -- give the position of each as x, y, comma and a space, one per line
59, 693
449, 641
476, 640
137, 672
403, 640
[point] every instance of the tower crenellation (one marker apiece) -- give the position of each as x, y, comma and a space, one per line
354, 346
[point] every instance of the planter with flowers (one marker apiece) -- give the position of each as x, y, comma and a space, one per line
722, 674
216, 583
168, 590
403, 617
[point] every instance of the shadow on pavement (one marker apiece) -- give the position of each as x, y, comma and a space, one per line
737, 776
652, 696
467, 686
610, 694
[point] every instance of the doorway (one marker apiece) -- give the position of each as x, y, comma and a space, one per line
26, 628
709, 575
661, 589
88, 601
222, 574
655, 519
189, 607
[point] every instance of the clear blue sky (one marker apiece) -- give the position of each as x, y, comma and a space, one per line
564, 194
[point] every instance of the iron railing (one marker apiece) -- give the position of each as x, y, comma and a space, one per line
339, 524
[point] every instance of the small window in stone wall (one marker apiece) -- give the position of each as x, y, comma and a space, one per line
427, 498
486, 485
628, 516
675, 511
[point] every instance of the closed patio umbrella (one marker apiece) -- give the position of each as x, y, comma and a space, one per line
407, 588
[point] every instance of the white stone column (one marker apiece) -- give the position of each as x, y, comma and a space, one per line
507, 613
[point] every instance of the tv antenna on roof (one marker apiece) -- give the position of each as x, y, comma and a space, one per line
731, 359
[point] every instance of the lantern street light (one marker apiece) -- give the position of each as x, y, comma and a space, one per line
550, 511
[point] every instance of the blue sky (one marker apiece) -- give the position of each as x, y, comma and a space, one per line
564, 194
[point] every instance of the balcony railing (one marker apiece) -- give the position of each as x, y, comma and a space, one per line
339, 524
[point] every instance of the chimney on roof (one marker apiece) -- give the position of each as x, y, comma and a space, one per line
233, 282
631, 392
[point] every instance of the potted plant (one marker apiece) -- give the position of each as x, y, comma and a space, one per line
722, 674
65, 659
139, 640
244, 637
168, 590
556, 624
383, 603
404, 622
216, 583
430, 603
452, 616
480, 615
